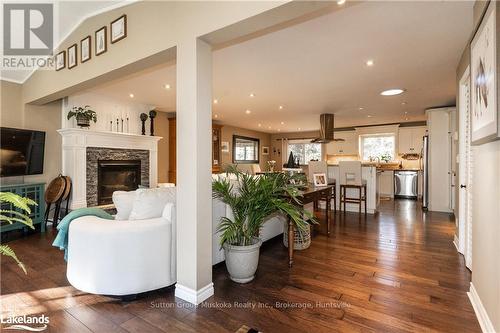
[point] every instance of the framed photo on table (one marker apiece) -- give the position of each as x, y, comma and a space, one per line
484, 100
320, 179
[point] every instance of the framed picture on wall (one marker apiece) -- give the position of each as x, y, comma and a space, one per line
224, 146
72, 50
101, 41
484, 109
118, 29
60, 60
85, 49
265, 150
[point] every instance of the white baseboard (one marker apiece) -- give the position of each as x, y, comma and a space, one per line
194, 296
481, 314
455, 242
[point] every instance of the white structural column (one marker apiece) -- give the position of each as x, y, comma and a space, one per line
194, 169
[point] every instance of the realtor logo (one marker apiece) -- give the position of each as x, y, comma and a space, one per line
28, 29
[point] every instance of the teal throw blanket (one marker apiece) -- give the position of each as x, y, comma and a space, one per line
61, 240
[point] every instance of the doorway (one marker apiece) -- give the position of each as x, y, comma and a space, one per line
465, 172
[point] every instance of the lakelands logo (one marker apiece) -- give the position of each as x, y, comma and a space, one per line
26, 323
28, 28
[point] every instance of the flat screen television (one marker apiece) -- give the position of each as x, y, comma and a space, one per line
21, 152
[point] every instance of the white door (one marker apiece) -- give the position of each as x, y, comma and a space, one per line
465, 173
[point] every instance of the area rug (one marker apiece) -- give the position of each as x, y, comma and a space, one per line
246, 329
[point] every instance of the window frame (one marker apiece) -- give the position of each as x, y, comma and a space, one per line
372, 135
303, 143
257, 153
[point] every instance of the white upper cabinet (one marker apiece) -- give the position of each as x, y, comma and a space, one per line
410, 139
347, 147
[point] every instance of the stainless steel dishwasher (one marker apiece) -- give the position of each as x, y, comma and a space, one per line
406, 184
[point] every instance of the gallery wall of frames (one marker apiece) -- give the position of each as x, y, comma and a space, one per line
71, 57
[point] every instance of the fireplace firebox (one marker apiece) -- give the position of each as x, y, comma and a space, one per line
116, 175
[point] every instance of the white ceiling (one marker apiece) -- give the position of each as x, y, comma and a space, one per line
68, 15
319, 66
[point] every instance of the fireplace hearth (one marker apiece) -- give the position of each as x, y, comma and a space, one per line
116, 175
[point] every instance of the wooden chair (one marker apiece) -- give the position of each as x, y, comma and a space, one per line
321, 167
350, 178
58, 191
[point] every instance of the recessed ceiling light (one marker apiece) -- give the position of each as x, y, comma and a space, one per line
279, 130
341, 2
282, 123
248, 111
392, 92
361, 108
403, 103
216, 116
281, 107
269, 127
369, 116
131, 95
252, 95
260, 125
167, 86
369, 62
216, 101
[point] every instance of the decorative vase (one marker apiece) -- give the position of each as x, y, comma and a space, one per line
82, 121
242, 261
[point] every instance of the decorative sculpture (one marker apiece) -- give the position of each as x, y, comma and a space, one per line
152, 115
144, 117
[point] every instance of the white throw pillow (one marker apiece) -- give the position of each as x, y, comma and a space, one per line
149, 203
123, 202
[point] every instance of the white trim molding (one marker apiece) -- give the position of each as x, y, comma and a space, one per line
194, 296
481, 314
74, 156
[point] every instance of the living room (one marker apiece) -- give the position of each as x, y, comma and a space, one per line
173, 99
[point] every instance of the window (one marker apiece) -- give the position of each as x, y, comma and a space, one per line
305, 151
245, 150
382, 146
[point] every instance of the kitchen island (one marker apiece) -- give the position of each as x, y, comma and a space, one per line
370, 175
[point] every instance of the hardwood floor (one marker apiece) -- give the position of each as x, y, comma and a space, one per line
397, 271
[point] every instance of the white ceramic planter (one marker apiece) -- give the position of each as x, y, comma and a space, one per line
242, 261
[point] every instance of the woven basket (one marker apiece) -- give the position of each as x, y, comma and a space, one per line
300, 242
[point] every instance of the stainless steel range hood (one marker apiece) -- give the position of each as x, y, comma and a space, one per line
326, 129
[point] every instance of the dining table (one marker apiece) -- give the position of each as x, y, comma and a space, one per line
312, 194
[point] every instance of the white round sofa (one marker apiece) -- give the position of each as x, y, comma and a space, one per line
122, 257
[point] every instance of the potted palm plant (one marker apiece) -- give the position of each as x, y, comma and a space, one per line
83, 115
252, 200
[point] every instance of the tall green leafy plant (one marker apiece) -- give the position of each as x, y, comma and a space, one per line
10, 216
253, 199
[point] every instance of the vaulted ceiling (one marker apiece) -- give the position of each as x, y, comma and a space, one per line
297, 73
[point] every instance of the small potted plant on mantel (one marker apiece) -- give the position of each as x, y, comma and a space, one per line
83, 115
252, 200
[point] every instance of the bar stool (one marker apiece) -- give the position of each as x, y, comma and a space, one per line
322, 167
350, 178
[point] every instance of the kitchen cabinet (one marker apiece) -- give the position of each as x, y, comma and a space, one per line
386, 183
410, 139
347, 147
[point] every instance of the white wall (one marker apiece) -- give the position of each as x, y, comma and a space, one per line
108, 109
486, 228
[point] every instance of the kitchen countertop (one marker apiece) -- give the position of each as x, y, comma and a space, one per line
382, 167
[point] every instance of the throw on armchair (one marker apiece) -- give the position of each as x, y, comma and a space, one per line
132, 254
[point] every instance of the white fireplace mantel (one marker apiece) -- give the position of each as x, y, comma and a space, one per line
74, 155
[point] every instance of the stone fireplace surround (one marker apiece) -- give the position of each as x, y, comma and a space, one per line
75, 142
95, 154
